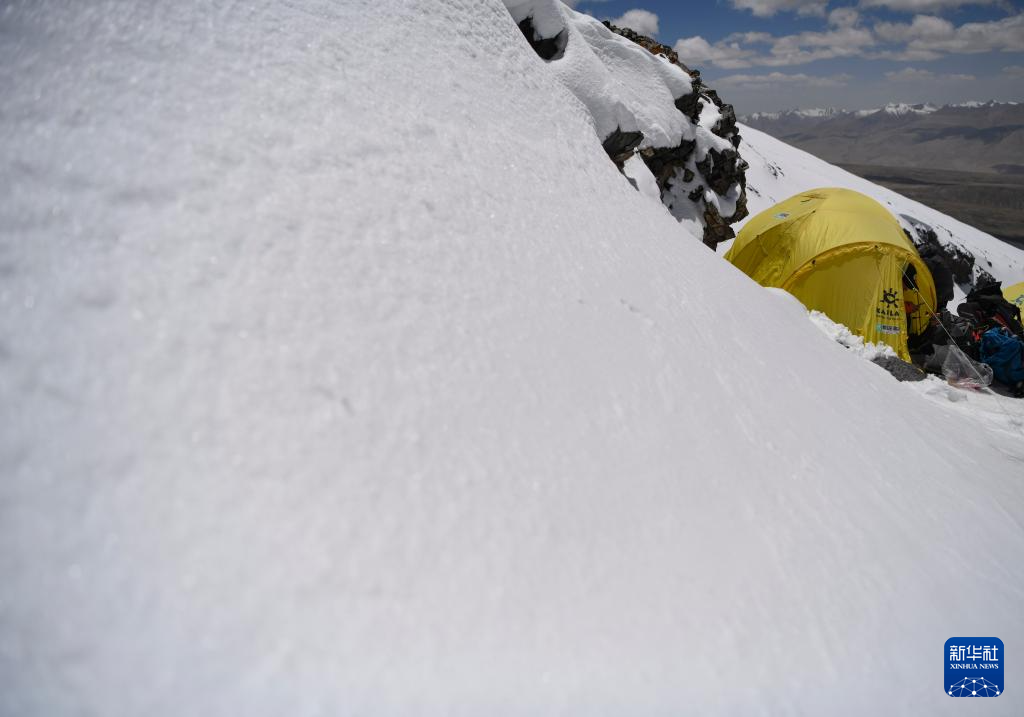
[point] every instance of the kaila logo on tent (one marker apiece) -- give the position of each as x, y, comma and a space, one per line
974, 667
888, 314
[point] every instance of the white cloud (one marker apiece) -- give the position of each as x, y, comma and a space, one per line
925, 5
643, 21
929, 34
1006, 35
696, 50
767, 8
775, 79
923, 27
917, 76
924, 38
906, 55
843, 17
733, 52
752, 38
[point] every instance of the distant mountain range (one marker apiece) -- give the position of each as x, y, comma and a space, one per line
970, 136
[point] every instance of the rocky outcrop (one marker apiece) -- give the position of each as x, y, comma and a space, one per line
648, 43
725, 127
959, 262
900, 369
721, 170
548, 48
942, 257
620, 145
665, 162
716, 228
692, 104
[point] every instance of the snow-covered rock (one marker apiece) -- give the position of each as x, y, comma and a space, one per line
642, 100
341, 372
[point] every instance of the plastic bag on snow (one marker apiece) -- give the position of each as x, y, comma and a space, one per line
963, 372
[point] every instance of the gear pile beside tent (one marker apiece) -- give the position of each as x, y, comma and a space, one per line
844, 254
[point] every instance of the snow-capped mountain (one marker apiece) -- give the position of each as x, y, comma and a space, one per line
895, 109
974, 104
344, 370
812, 113
900, 109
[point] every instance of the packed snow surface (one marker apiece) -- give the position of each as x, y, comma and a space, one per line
342, 373
622, 85
841, 334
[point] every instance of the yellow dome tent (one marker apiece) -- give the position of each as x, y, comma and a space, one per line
845, 255
1015, 295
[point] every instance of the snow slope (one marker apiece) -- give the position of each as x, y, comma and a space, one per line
342, 373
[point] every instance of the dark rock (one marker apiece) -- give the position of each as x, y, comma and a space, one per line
741, 207
726, 127
716, 229
984, 278
548, 48
690, 105
959, 262
942, 274
664, 161
620, 145
722, 169
899, 368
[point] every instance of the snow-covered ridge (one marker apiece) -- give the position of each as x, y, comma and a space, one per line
814, 112
899, 109
896, 109
974, 104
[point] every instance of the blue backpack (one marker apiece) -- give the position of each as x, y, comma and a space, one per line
1004, 352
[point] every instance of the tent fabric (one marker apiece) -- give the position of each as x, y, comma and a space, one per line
1015, 295
843, 254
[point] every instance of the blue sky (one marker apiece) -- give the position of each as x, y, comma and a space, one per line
766, 55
